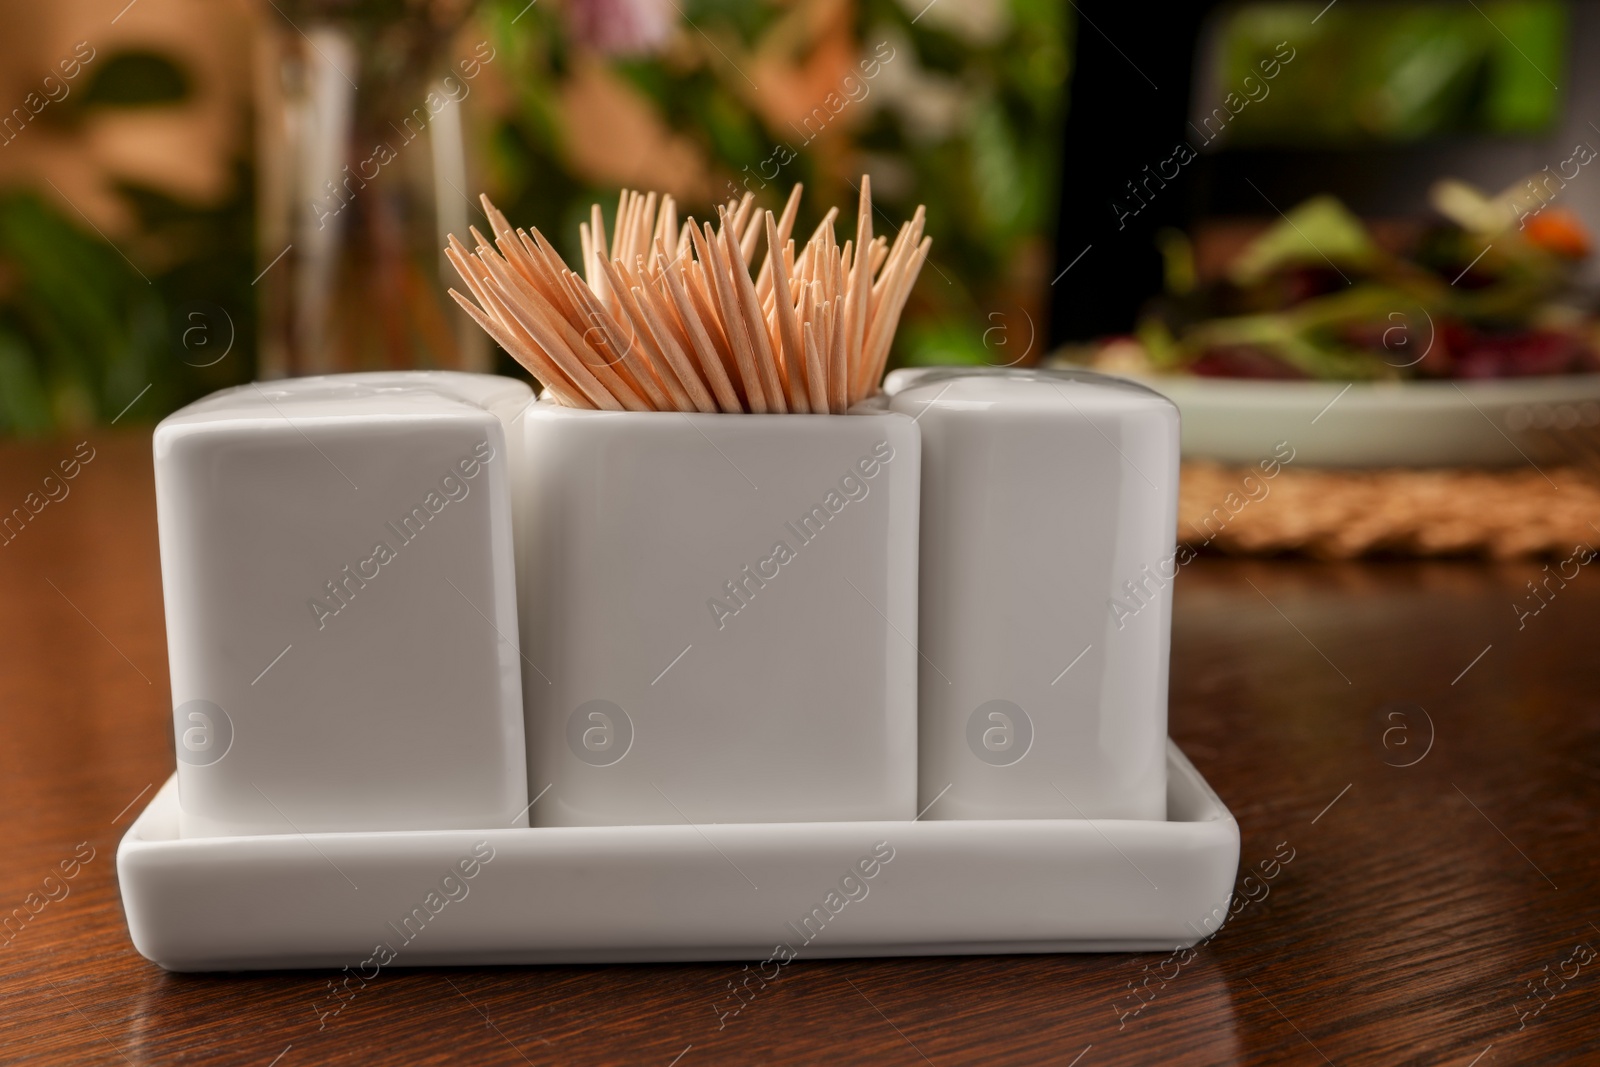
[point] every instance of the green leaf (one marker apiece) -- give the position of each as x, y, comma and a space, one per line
1320, 230
24, 407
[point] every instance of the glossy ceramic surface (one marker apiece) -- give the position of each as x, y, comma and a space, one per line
758, 894
719, 616
1049, 506
337, 566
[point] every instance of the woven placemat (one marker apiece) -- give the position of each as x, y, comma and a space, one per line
1341, 514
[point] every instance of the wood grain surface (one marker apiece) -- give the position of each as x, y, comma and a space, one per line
1430, 762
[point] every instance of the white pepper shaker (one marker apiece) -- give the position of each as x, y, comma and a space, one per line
1049, 509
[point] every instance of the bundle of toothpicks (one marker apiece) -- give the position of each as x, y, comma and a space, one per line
670, 318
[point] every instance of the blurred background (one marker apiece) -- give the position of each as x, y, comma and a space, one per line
196, 193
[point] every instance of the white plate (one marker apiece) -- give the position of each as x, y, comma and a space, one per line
1376, 424
733, 891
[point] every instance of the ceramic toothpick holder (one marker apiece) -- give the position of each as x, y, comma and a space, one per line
337, 563
1049, 504
719, 616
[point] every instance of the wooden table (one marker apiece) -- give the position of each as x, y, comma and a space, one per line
1432, 769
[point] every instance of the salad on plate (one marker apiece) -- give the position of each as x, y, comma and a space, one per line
1483, 289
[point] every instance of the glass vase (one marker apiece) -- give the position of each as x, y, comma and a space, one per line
363, 173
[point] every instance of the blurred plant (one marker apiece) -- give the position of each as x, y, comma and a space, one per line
703, 98
956, 105
622, 27
84, 331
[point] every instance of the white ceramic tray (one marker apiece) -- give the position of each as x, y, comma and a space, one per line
748, 892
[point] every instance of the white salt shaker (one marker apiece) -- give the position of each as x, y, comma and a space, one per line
336, 557
1049, 510
719, 616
